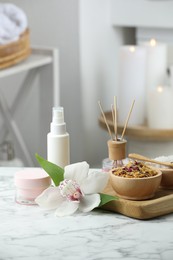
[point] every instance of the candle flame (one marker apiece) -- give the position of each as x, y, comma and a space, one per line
132, 48
153, 42
160, 89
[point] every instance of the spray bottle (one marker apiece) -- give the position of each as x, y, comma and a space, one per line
58, 147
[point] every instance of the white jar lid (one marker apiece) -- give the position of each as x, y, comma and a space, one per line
32, 178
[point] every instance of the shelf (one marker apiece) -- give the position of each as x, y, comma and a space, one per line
138, 132
42, 63
142, 13
39, 57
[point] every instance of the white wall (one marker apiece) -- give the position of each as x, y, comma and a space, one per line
99, 46
88, 45
88, 34
55, 23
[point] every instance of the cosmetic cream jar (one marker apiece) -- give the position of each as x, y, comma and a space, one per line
29, 184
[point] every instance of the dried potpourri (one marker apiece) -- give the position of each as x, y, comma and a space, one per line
135, 170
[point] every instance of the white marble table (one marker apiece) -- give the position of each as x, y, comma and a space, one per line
27, 232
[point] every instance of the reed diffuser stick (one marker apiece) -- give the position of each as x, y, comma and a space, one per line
99, 103
115, 118
127, 120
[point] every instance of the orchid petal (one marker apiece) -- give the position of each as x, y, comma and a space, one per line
77, 172
49, 198
66, 208
95, 182
89, 202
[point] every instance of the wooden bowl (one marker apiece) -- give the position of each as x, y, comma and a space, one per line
167, 178
136, 188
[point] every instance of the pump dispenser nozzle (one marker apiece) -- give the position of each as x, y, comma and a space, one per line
58, 126
58, 115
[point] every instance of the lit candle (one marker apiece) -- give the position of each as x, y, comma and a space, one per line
132, 71
171, 75
156, 63
160, 108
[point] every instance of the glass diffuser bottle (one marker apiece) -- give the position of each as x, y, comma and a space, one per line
116, 146
116, 153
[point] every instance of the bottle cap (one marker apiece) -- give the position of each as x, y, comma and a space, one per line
58, 115
58, 126
117, 149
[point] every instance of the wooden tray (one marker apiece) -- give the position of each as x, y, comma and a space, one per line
161, 204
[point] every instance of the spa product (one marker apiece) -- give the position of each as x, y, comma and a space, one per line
116, 146
117, 155
135, 170
135, 181
29, 184
146, 159
167, 171
58, 147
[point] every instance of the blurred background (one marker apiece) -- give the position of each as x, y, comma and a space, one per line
88, 35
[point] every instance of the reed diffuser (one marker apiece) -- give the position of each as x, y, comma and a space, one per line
116, 145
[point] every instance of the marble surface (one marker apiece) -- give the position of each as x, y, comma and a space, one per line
27, 232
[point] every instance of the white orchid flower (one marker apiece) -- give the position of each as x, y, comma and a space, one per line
78, 191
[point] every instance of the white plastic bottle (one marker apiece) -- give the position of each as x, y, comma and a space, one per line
58, 144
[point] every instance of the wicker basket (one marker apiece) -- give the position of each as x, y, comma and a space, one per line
15, 52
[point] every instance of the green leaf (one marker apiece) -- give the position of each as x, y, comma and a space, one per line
54, 171
105, 198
